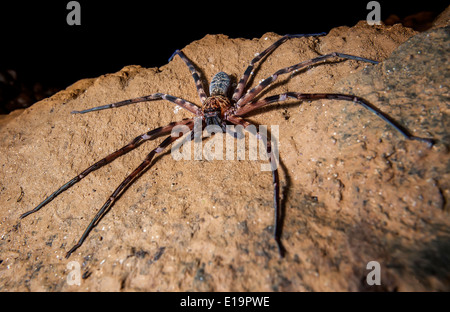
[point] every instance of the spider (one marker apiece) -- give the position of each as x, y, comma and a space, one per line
219, 109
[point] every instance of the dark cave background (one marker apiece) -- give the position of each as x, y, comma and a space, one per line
41, 54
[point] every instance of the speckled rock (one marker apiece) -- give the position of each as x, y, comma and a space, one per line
354, 190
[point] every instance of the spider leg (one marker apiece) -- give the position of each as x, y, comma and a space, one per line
156, 96
331, 96
194, 73
152, 134
123, 186
250, 95
276, 182
249, 71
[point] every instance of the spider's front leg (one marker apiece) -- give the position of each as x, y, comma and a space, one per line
152, 97
125, 184
249, 71
275, 179
150, 135
195, 74
251, 94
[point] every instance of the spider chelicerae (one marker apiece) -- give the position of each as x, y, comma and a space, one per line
218, 109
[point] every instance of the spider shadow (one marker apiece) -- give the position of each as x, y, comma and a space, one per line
285, 192
279, 221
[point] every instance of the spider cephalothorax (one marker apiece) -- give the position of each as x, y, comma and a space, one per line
214, 109
217, 109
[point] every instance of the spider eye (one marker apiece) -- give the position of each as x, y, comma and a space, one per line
219, 84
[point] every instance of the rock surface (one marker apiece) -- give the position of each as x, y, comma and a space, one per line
354, 190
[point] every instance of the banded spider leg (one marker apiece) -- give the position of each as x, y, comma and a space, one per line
125, 184
152, 97
252, 93
150, 135
195, 75
334, 96
249, 71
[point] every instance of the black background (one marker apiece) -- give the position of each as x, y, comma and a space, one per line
292, 301
37, 42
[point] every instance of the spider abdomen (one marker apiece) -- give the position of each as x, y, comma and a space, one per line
220, 84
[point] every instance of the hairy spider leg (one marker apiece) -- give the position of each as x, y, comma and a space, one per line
249, 71
276, 182
250, 95
333, 96
150, 135
195, 74
152, 97
124, 185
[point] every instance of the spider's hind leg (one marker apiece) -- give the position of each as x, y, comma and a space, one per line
195, 74
336, 96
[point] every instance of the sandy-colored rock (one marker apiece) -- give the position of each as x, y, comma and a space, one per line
354, 190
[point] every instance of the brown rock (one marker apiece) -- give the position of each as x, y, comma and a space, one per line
354, 189
442, 19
